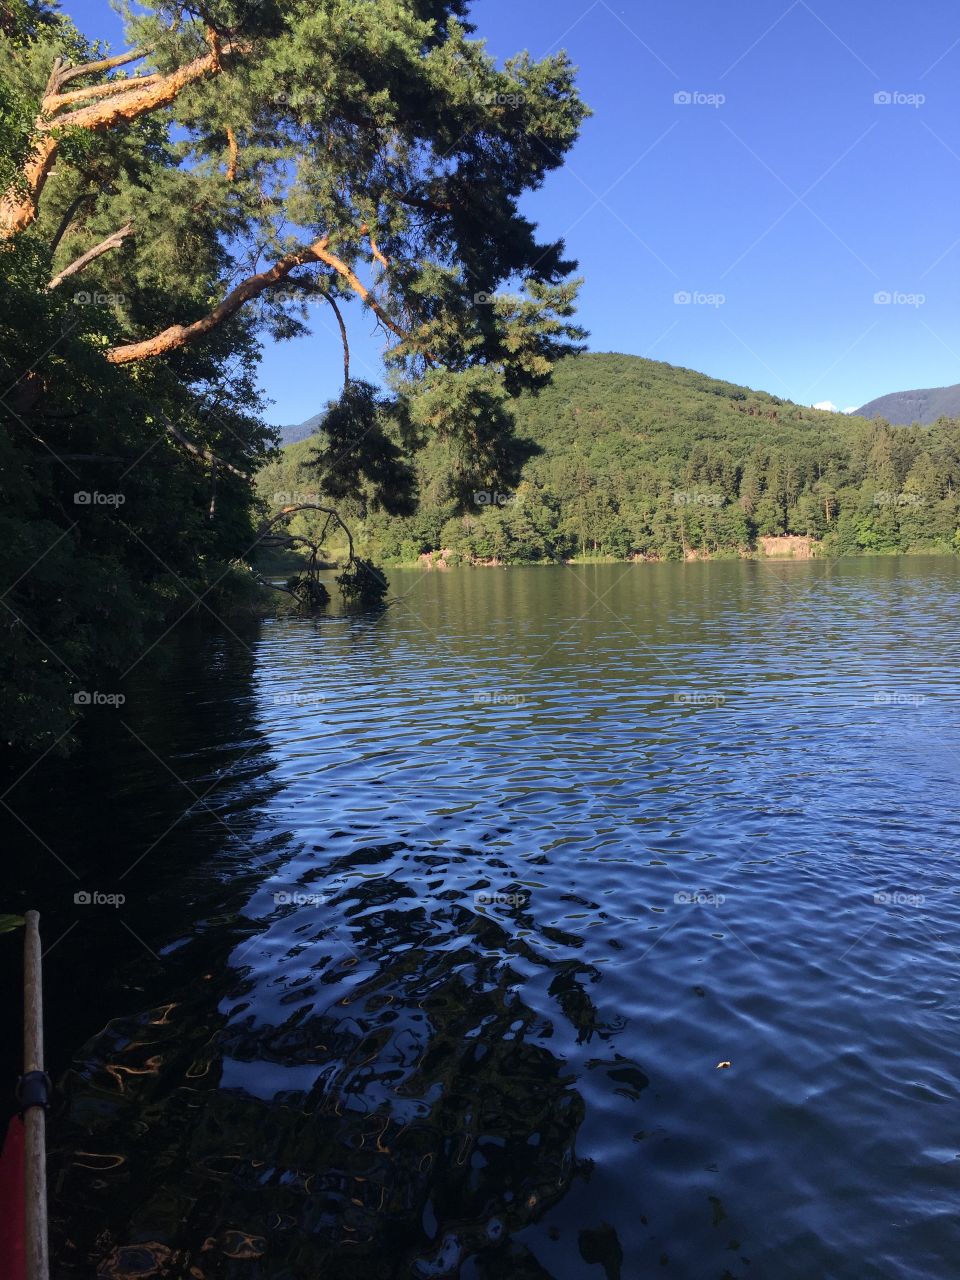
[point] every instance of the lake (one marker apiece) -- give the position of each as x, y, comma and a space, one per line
596, 921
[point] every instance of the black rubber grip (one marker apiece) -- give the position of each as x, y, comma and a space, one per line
33, 1090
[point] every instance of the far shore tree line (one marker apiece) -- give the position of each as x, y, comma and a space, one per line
637, 459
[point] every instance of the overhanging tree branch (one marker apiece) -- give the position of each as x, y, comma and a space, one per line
286, 513
343, 337
55, 102
324, 255
179, 335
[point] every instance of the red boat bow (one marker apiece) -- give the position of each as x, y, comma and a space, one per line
13, 1252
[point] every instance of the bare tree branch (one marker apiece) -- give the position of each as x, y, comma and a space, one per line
68, 217
206, 454
341, 268
105, 64
286, 512
112, 242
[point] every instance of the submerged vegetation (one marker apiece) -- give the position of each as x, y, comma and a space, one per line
635, 458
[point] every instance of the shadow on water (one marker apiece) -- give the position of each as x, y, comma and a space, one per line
307, 1046
387, 1112
387, 1109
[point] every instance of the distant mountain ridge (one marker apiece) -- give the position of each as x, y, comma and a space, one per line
300, 430
903, 408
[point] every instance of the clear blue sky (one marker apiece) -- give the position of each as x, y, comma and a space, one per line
797, 199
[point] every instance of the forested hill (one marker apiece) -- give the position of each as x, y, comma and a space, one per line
639, 458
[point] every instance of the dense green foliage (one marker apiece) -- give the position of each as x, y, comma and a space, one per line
369, 155
111, 531
638, 458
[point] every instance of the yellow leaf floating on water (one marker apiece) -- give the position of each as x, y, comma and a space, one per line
721, 1066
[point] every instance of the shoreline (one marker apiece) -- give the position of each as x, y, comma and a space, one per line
434, 563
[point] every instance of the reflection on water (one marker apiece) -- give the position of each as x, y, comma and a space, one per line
438, 926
